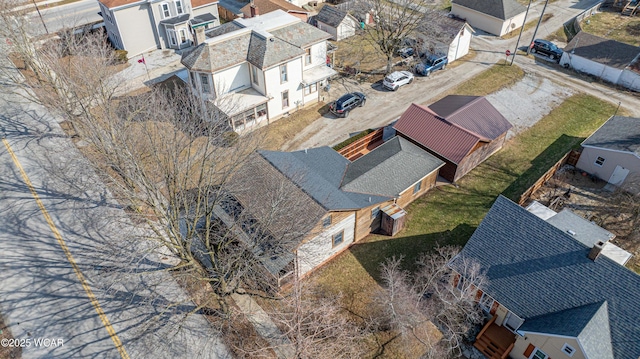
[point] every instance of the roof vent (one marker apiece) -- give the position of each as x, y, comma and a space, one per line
272, 39
596, 250
571, 232
305, 150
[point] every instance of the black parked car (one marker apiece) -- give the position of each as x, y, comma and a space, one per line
546, 48
346, 103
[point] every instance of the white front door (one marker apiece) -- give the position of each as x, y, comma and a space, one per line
618, 176
512, 322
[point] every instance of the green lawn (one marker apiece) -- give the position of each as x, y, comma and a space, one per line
614, 26
449, 215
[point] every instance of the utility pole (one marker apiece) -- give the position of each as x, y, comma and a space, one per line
39, 14
520, 35
537, 26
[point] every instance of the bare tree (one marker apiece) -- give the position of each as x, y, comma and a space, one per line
394, 21
413, 301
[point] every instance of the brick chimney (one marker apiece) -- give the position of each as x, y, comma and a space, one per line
200, 37
596, 250
254, 9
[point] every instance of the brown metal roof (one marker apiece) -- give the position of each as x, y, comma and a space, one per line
475, 114
448, 140
198, 3
267, 6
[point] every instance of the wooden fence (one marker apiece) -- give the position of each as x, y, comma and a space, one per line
570, 158
363, 145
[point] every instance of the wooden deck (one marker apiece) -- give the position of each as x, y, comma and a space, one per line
494, 341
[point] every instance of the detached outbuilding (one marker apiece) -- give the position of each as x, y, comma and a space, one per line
439, 33
612, 153
497, 17
610, 60
339, 23
463, 131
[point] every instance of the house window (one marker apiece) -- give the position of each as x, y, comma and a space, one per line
193, 79
307, 56
179, 9
417, 187
568, 349
338, 238
538, 354
261, 110
327, 221
204, 79
254, 75
486, 302
283, 73
309, 89
164, 9
171, 34
599, 161
374, 212
285, 99
183, 36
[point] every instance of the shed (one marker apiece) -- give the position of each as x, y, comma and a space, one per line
607, 59
497, 17
393, 218
612, 153
336, 22
463, 131
440, 33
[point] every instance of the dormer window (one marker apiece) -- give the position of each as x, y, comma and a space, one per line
179, 9
164, 8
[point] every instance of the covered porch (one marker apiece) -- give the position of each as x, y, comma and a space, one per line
495, 341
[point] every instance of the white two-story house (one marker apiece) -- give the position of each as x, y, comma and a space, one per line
259, 69
142, 25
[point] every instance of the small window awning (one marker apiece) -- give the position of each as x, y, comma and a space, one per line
202, 20
316, 74
176, 20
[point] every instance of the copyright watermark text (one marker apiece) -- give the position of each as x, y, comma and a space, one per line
29, 342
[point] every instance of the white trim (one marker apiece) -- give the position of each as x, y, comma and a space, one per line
173, 39
162, 10
608, 149
549, 334
601, 162
175, 3
533, 353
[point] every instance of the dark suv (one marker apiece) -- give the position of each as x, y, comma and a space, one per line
546, 48
346, 103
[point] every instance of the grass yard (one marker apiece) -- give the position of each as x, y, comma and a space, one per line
358, 53
449, 215
489, 81
614, 26
285, 129
529, 25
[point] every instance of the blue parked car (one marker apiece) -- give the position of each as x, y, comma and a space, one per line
432, 63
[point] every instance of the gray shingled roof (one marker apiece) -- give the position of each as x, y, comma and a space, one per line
502, 9
301, 34
618, 133
319, 172
262, 48
357, 8
437, 27
604, 51
176, 20
390, 168
535, 269
585, 323
331, 15
586, 232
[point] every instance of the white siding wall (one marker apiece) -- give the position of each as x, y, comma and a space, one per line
487, 23
232, 79
347, 28
258, 83
328, 29
320, 248
550, 345
318, 55
460, 45
630, 79
591, 67
275, 88
512, 24
611, 160
136, 29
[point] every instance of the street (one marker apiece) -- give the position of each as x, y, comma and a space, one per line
383, 107
70, 15
73, 270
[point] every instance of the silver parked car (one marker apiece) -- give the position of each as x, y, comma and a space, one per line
396, 79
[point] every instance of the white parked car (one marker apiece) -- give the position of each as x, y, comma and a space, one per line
396, 79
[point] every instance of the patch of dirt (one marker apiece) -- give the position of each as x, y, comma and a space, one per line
8, 352
535, 98
614, 210
633, 28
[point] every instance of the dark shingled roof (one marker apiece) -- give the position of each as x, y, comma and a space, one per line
437, 27
202, 19
390, 168
331, 15
319, 172
604, 51
209, 57
618, 133
176, 20
502, 9
536, 270
300, 34
453, 126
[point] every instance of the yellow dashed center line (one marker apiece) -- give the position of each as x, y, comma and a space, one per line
63, 245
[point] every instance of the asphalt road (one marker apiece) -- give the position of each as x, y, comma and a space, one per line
77, 276
70, 15
383, 107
